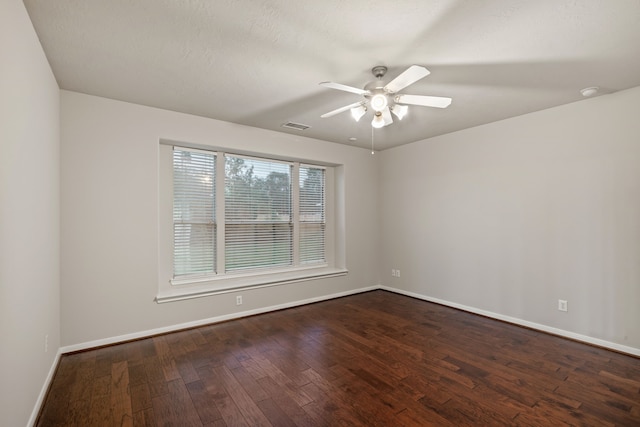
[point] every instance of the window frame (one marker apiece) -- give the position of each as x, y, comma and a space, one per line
185, 287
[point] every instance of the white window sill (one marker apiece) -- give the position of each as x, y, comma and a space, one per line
201, 287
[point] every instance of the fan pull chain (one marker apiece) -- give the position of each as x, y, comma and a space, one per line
372, 152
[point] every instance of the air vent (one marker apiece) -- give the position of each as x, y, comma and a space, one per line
296, 126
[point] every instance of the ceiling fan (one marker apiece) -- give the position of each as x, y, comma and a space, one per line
385, 99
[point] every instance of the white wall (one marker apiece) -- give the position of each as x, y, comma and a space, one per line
29, 216
109, 178
509, 217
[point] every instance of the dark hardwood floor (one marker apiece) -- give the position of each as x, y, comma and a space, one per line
373, 359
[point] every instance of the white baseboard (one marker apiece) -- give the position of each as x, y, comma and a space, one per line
537, 326
172, 328
43, 391
208, 321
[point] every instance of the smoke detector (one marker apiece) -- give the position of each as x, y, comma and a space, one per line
589, 91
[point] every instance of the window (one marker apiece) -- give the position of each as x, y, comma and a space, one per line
194, 212
241, 221
258, 214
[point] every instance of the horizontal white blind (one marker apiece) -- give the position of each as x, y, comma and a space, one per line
312, 215
258, 217
194, 226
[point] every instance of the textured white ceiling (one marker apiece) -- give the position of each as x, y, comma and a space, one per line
259, 62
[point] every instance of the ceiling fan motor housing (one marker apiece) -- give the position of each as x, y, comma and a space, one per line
379, 71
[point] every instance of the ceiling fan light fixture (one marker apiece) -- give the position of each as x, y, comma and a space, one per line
358, 112
378, 102
377, 121
400, 110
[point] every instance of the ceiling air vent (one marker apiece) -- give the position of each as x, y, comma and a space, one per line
296, 126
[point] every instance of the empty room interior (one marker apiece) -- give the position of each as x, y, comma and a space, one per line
326, 213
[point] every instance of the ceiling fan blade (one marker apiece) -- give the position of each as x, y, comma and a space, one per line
386, 116
340, 110
425, 101
338, 86
409, 76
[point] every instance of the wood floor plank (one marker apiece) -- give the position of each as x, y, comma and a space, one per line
288, 385
166, 359
140, 397
137, 374
231, 414
250, 385
274, 414
371, 359
176, 408
121, 411
79, 412
144, 418
103, 362
289, 406
250, 410
350, 395
153, 370
185, 369
204, 402
100, 413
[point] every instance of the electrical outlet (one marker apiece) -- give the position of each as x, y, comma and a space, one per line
46, 343
397, 273
239, 300
562, 305
393, 272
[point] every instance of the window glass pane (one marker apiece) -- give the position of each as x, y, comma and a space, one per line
257, 245
194, 227
312, 215
258, 227
194, 251
311, 243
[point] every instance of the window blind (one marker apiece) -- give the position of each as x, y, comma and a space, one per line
258, 217
194, 225
312, 214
